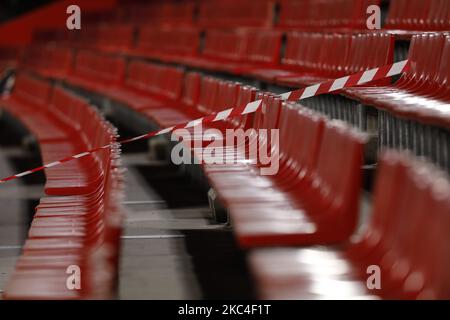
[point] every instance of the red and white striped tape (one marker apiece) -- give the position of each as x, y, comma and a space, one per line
299, 94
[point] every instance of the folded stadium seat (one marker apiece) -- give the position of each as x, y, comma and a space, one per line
29, 102
410, 198
167, 44
206, 96
96, 71
220, 48
422, 92
326, 15
236, 13
406, 18
160, 14
304, 53
203, 96
79, 231
115, 38
49, 61
179, 111
75, 177
238, 51
315, 204
148, 85
51, 116
358, 52
242, 160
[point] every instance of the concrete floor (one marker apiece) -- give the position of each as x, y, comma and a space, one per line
171, 247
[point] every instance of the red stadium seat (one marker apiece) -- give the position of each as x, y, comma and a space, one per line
307, 58
96, 71
236, 13
116, 38
159, 14
422, 92
29, 102
238, 52
167, 44
324, 15
296, 206
81, 226
410, 17
409, 196
148, 85
48, 61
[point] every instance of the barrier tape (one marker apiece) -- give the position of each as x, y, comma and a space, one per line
299, 94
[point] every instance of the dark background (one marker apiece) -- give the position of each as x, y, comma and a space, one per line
12, 8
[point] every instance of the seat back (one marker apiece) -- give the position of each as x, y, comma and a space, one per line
443, 73
411, 201
236, 13
245, 95
184, 41
338, 182
191, 89
418, 15
160, 14
310, 53
96, 66
150, 78
311, 125
391, 177
228, 45
370, 50
424, 56
115, 36
33, 91
263, 46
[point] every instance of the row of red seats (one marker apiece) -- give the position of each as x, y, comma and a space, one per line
91, 67
48, 61
417, 15
166, 44
79, 223
301, 65
242, 49
146, 81
216, 14
237, 52
307, 59
236, 13
256, 53
324, 14
411, 200
165, 94
403, 16
160, 13
422, 93
311, 200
